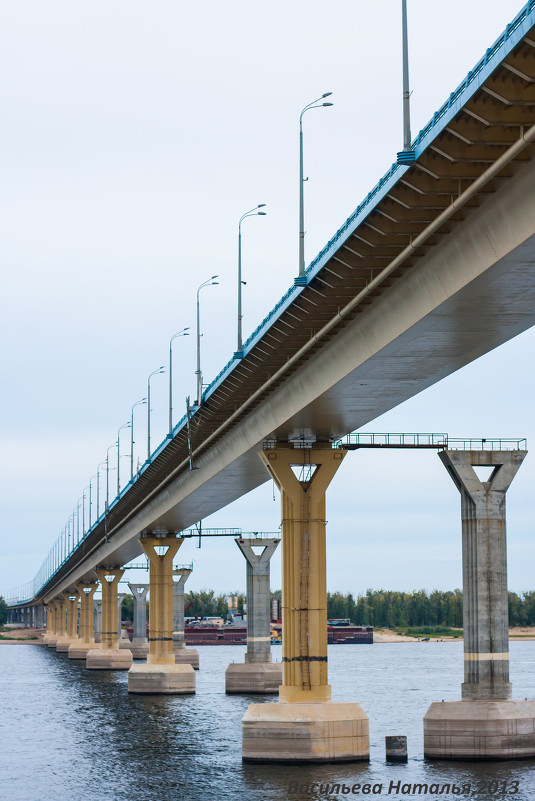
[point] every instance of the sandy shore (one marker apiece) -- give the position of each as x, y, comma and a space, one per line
388, 635
21, 636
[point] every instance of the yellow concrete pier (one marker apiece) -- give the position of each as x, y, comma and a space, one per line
305, 726
86, 642
161, 674
109, 656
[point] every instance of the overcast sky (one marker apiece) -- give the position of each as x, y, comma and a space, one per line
134, 135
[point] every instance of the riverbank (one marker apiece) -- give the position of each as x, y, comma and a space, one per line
390, 635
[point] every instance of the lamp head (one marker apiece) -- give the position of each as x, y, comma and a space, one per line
327, 104
326, 94
261, 213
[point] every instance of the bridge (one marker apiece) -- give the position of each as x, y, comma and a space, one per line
433, 269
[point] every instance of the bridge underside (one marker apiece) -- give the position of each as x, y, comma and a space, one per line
437, 271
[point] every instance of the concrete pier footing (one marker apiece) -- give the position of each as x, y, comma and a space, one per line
156, 679
108, 659
300, 733
253, 677
494, 729
486, 723
186, 656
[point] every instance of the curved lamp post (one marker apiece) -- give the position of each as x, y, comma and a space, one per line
137, 403
251, 213
108, 475
198, 371
301, 280
159, 371
183, 333
407, 155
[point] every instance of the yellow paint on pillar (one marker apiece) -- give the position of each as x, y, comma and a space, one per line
109, 579
161, 595
86, 590
304, 586
72, 616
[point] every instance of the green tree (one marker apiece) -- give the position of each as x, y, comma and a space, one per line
3, 611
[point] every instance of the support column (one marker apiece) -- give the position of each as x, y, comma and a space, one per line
120, 598
86, 642
486, 724
183, 655
60, 620
305, 726
139, 645
49, 630
161, 674
258, 674
109, 656
64, 643
97, 620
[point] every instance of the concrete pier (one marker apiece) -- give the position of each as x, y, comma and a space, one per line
183, 655
139, 645
64, 643
258, 674
305, 726
109, 656
86, 641
49, 630
161, 675
97, 620
486, 723
60, 620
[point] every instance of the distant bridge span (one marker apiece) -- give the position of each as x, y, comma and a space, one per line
435, 268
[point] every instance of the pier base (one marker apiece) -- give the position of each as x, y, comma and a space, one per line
253, 677
63, 644
298, 733
108, 659
186, 656
52, 640
139, 650
79, 649
155, 679
494, 729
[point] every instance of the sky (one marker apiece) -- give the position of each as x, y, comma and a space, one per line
134, 135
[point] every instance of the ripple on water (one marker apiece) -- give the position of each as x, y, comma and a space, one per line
67, 732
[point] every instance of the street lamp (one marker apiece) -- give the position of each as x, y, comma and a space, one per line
300, 280
126, 425
137, 403
198, 372
98, 488
108, 475
251, 213
159, 371
407, 155
183, 333
90, 501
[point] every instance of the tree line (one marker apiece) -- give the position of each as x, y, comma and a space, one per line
419, 608
375, 608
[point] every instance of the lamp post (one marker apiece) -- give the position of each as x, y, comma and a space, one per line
407, 155
315, 104
251, 213
137, 403
183, 333
126, 425
198, 372
159, 371
78, 520
90, 501
108, 475
98, 487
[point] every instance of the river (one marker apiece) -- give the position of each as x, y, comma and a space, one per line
70, 733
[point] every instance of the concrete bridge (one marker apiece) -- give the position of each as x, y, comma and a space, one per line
433, 269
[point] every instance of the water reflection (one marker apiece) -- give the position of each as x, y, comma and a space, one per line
70, 732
